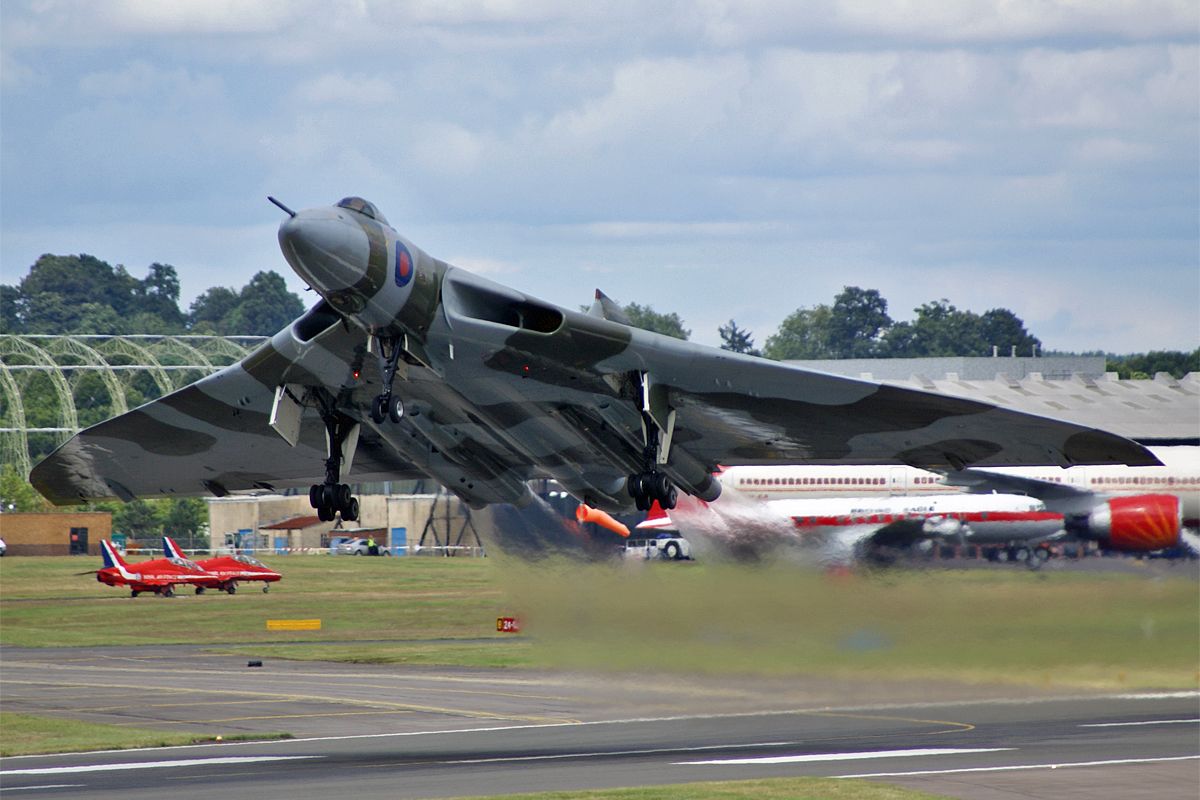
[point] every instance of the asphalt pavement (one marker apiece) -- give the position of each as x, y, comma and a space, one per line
373, 731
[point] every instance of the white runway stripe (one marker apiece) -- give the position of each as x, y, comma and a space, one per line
1147, 722
811, 757
43, 786
183, 762
1015, 767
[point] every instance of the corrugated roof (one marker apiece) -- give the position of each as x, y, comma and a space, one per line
292, 524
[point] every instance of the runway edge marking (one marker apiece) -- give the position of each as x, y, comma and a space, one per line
1017, 767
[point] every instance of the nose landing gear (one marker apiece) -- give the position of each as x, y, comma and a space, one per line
385, 406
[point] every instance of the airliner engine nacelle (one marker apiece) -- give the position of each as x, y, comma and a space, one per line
1136, 524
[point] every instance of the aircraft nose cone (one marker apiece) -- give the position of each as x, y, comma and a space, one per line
328, 251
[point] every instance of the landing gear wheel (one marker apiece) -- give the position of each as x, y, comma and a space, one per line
660, 485
266, 588
329, 497
232, 588
199, 590
342, 497
349, 513
325, 513
379, 409
635, 485
395, 409
134, 592
314, 495
168, 592
671, 498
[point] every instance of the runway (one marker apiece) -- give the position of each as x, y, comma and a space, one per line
386, 731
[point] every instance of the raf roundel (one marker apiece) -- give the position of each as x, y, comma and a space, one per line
404, 265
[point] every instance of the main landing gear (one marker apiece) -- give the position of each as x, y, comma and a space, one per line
333, 497
658, 424
386, 406
646, 487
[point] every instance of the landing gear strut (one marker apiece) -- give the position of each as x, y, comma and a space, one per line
658, 422
385, 406
332, 496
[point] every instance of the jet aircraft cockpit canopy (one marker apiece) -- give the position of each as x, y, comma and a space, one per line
364, 207
186, 563
250, 560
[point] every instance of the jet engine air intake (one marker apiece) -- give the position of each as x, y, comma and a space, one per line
503, 308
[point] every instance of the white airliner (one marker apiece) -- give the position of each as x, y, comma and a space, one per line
844, 512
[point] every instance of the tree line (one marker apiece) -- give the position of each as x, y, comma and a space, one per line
82, 294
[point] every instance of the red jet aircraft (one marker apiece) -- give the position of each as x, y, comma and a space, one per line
229, 570
158, 575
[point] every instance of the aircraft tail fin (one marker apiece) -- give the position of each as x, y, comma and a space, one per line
605, 308
656, 520
170, 549
112, 559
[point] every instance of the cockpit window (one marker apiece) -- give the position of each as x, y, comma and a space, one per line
251, 560
364, 207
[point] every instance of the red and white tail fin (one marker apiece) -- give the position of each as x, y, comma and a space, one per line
657, 520
112, 559
170, 549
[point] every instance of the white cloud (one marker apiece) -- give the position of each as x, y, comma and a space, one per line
336, 89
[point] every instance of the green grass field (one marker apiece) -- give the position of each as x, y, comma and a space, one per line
1060, 629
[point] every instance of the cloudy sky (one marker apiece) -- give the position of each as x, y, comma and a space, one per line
717, 159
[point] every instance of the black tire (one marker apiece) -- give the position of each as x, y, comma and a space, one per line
266, 588
350, 510
635, 485
134, 592
642, 502
324, 513
199, 590
661, 487
379, 410
395, 409
232, 588
314, 495
671, 499
672, 551
168, 592
329, 497
343, 497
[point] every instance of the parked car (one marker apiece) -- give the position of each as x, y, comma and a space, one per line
358, 547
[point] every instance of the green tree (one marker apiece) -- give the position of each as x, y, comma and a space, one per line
1003, 329
82, 294
1174, 362
940, 329
186, 521
737, 340
138, 519
804, 334
646, 318
17, 494
265, 306
212, 307
858, 322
